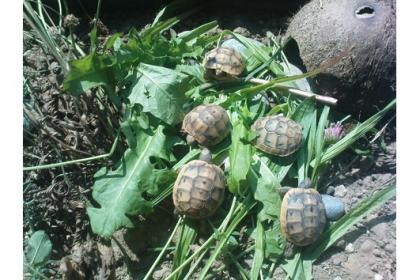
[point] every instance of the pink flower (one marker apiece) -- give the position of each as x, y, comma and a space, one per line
334, 133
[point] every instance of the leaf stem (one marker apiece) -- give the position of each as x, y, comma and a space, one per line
33, 270
59, 164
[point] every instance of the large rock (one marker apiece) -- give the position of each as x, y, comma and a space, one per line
363, 79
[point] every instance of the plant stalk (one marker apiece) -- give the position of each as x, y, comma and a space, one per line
300, 93
60, 164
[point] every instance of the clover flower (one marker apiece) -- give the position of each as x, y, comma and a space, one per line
334, 133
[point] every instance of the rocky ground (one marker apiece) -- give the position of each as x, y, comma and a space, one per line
366, 252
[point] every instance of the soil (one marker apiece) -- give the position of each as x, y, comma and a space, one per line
63, 127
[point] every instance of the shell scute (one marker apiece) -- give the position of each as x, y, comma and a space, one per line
277, 135
207, 124
302, 216
199, 189
223, 63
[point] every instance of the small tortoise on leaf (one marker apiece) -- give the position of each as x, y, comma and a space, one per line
199, 188
207, 125
277, 135
302, 214
222, 64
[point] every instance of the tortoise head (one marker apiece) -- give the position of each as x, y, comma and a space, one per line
283, 190
305, 184
205, 155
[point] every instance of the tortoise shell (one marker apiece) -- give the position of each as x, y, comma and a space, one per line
199, 189
277, 135
302, 216
222, 64
207, 124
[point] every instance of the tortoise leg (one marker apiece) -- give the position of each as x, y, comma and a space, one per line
190, 140
283, 190
289, 250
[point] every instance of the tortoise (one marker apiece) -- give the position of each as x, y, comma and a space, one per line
207, 125
277, 135
222, 63
199, 188
302, 214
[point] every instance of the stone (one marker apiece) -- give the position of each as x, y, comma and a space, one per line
367, 246
380, 230
390, 248
330, 190
334, 207
338, 259
338, 278
340, 244
349, 248
378, 277
242, 31
355, 172
377, 252
340, 191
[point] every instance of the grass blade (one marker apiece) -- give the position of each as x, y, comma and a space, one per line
319, 141
259, 251
186, 238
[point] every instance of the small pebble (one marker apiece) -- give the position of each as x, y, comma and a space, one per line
355, 171
340, 191
377, 252
330, 190
378, 277
367, 246
334, 207
338, 278
340, 244
390, 248
349, 248
380, 230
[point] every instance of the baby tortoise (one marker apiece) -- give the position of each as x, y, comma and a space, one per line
302, 214
222, 64
277, 135
207, 125
199, 188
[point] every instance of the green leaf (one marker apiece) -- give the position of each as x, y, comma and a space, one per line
90, 71
39, 248
160, 90
112, 40
187, 36
320, 142
274, 242
259, 52
120, 192
240, 156
264, 186
259, 252
291, 70
195, 70
305, 114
